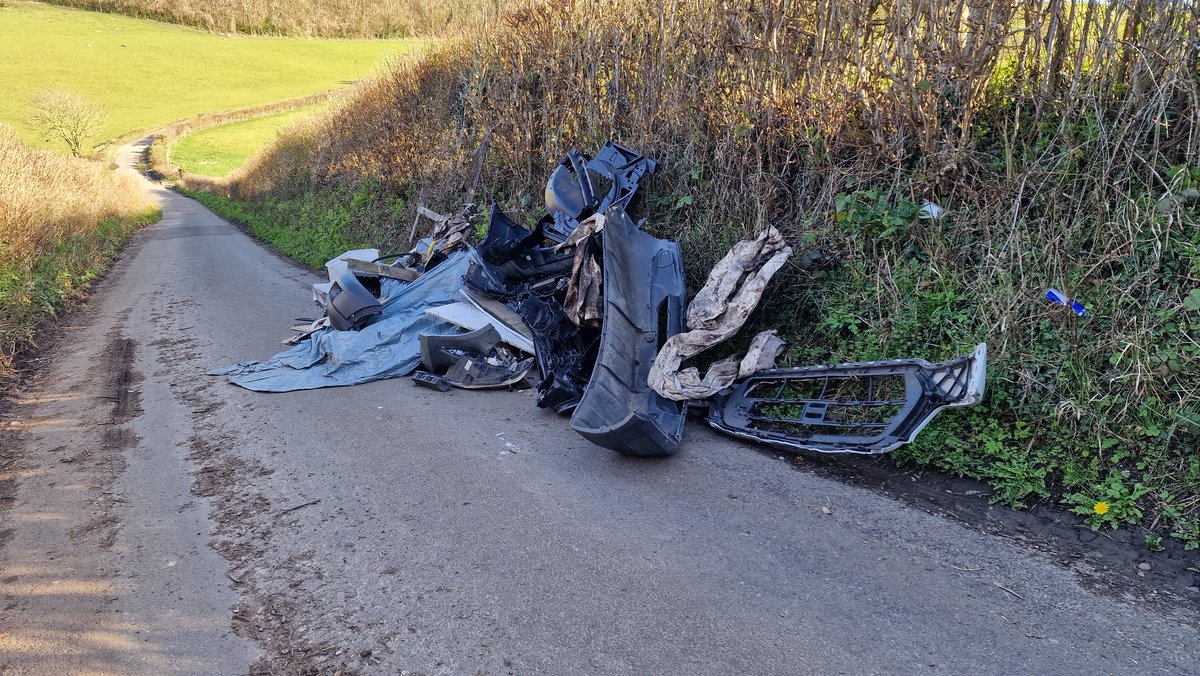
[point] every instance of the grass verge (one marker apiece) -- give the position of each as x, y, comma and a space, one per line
312, 228
34, 291
62, 220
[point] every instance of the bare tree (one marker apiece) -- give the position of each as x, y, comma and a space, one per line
67, 115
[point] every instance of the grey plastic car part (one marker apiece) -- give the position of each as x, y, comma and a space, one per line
644, 304
473, 360
569, 189
499, 369
624, 169
430, 381
571, 192
350, 304
865, 408
438, 353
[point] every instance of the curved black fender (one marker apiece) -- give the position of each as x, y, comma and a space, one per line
644, 304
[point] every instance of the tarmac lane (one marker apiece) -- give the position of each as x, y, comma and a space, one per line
168, 522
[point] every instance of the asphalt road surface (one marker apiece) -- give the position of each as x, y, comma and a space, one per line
167, 522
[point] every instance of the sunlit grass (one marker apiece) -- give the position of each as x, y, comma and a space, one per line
219, 150
148, 73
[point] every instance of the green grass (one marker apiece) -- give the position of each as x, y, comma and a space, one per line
148, 73
314, 227
219, 150
34, 291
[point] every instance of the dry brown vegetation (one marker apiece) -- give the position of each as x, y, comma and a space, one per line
302, 18
61, 220
1063, 138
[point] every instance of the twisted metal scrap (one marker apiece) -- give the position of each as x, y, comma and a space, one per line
718, 311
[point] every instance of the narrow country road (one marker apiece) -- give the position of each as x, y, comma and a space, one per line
167, 522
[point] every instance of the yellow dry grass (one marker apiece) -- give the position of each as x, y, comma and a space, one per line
61, 220
48, 197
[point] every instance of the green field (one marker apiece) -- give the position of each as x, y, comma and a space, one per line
219, 150
148, 73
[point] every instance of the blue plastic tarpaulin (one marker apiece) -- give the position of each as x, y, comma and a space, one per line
388, 347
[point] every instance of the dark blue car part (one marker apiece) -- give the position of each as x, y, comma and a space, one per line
564, 353
644, 304
866, 408
520, 254
571, 192
350, 303
504, 239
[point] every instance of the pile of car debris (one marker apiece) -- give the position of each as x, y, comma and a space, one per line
593, 309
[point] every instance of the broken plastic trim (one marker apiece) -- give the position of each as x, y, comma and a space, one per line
474, 360
504, 238
625, 168
643, 300
867, 408
571, 192
438, 353
518, 253
430, 381
350, 304
564, 353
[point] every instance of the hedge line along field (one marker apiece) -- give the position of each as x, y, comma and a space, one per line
1061, 137
147, 73
306, 18
53, 240
219, 150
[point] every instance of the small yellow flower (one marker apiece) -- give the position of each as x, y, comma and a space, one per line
1100, 507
